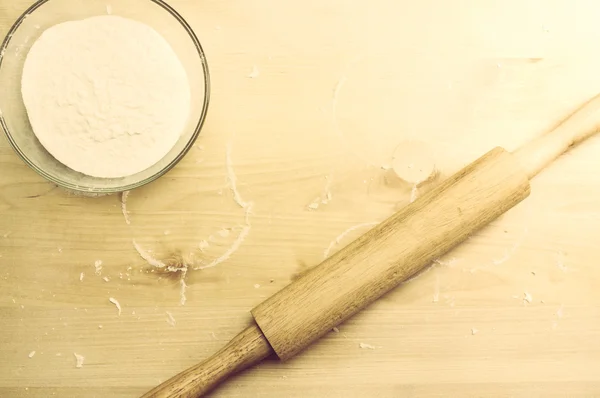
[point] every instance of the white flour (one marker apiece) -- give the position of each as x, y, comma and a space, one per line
106, 96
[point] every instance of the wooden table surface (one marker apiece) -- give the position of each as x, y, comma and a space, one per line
311, 98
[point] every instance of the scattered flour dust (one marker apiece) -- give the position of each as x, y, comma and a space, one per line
116, 303
328, 196
79, 360
156, 262
104, 114
334, 102
203, 245
414, 193
446, 263
147, 256
255, 72
170, 319
325, 197
366, 346
98, 267
159, 264
182, 290
124, 197
508, 253
236, 244
247, 206
232, 178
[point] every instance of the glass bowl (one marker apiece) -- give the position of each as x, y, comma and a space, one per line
46, 13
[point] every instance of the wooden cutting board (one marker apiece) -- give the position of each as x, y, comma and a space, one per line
311, 98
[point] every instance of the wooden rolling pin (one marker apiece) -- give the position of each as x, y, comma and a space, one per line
392, 252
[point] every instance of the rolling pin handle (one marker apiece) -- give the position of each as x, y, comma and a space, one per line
577, 127
243, 351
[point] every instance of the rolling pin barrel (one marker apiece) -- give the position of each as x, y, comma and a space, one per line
391, 253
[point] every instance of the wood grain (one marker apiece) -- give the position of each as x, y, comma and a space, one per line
463, 77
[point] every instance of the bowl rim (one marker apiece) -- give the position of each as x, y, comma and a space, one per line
155, 176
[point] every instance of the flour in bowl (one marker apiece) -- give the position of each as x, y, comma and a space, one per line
106, 96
